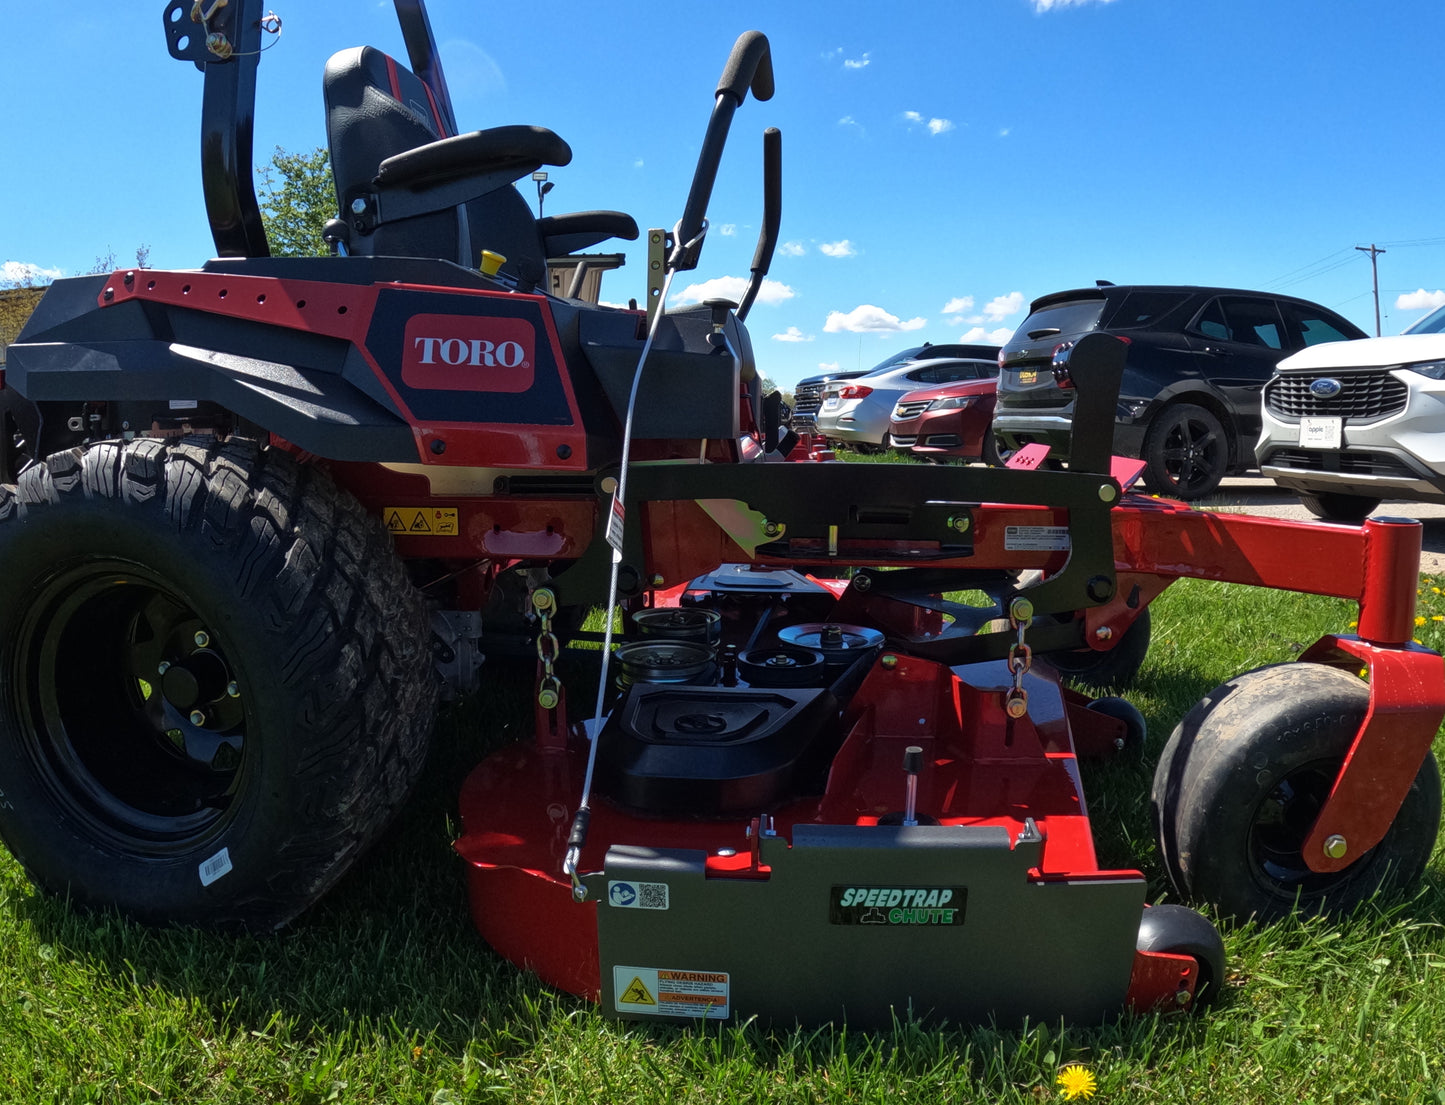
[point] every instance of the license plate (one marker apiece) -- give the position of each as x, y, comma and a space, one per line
830, 402
1320, 433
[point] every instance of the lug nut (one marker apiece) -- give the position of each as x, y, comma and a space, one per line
197, 717
1183, 997
1104, 633
163, 667
202, 638
1336, 846
959, 523
233, 689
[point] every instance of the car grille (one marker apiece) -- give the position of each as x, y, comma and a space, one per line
905, 442
1350, 463
807, 398
905, 411
1364, 396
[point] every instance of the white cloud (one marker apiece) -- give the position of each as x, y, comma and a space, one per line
1042, 6
792, 249
1420, 301
934, 125
958, 304
829, 366
792, 333
478, 74
1004, 132
979, 336
849, 121
857, 63
867, 319
728, 230
637, 164
731, 287
844, 248
609, 303
1001, 306
23, 272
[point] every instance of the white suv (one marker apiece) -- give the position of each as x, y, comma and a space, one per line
1350, 423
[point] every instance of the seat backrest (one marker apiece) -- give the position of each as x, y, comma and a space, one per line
376, 108
502, 222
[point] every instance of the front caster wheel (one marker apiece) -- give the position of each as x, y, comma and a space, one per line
214, 681
1244, 776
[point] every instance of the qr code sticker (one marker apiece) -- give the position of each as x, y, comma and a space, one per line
637, 895
652, 895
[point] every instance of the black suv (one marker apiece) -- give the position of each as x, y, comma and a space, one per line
1189, 403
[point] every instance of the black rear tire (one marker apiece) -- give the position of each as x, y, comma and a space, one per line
1334, 506
1243, 777
215, 680
1186, 452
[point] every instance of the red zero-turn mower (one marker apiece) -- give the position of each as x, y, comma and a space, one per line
251, 512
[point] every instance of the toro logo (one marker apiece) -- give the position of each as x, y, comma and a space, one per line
458, 353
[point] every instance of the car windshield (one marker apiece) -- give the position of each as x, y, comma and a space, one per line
1433, 323
1074, 316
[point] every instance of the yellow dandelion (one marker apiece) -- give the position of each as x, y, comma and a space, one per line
1419, 620
1436, 591
1437, 617
1076, 1081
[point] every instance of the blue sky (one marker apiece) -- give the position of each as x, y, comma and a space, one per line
944, 163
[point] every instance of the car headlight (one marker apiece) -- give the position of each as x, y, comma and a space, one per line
1433, 369
953, 403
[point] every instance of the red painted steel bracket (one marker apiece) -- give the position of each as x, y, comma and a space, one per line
1407, 702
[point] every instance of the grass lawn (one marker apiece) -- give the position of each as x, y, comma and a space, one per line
385, 994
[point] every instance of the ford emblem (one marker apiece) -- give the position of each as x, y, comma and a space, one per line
1325, 388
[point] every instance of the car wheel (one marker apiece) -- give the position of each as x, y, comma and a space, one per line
216, 685
1186, 452
1333, 506
1242, 779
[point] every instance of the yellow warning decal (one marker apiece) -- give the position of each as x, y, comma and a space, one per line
421, 521
636, 994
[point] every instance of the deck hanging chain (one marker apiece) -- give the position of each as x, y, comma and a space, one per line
549, 690
1020, 657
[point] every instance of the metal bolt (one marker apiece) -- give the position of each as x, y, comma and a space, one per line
1020, 609
725, 852
960, 523
889, 661
1104, 633
163, 667
1107, 493
1016, 706
771, 528
1336, 846
862, 582
609, 484
657, 579
197, 718
547, 699
202, 638
358, 206
233, 689
1183, 997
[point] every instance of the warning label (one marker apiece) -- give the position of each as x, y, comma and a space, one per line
660, 992
421, 521
1036, 538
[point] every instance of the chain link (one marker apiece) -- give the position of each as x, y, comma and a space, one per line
549, 689
1020, 657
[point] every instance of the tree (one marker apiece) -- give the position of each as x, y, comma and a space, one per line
295, 208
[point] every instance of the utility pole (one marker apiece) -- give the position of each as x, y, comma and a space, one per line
1374, 252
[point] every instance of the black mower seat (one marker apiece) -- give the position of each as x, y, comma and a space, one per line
407, 187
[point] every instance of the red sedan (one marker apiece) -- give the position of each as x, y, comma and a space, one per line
947, 420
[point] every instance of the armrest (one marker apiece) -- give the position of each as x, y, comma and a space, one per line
497, 149
564, 234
